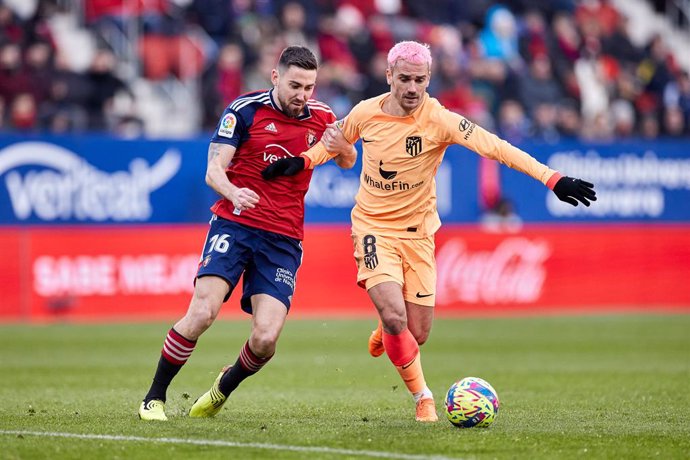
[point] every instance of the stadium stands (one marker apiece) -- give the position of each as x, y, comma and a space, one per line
592, 69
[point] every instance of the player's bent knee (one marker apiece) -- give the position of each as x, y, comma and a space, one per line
202, 316
393, 323
263, 343
421, 337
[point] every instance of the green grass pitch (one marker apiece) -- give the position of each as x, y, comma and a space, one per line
591, 387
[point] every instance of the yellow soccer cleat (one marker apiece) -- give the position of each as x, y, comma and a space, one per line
211, 402
376, 342
426, 410
153, 410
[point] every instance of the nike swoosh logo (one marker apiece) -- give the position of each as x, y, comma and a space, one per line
408, 364
366, 141
421, 296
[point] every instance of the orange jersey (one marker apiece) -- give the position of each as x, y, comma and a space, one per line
400, 156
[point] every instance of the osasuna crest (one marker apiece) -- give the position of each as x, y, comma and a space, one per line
311, 138
413, 145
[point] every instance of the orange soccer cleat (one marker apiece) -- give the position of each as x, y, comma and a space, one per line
376, 348
426, 410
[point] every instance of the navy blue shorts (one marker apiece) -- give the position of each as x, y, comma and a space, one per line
269, 261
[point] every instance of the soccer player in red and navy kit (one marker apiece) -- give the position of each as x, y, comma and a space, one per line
256, 228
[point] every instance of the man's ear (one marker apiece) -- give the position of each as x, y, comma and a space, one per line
275, 77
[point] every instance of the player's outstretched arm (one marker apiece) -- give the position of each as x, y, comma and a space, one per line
571, 190
332, 145
488, 145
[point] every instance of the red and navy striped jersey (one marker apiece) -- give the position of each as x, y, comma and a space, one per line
262, 134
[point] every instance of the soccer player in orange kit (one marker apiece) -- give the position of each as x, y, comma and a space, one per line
404, 136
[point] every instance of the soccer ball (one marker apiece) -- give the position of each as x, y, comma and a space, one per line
471, 402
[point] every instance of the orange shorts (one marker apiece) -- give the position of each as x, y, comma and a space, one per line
409, 262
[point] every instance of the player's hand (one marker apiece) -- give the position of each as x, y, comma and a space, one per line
572, 190
346, 160
283, 167
244, 198
334, 140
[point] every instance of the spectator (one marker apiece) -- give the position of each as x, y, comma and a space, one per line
23, 112
649, 126
677, 94
569, 123
455, 90
216, 18
333, 39
223, 82
258, 74
39, 66
598, 17
619, 44
564, 53
674, 122
11, 29
375, 78
545, 121
64, 111
594, 95
14, 79
539, 85
534, 39
358, 37
513, 124
103, 85
623, 118
501, 218
293, 19
655, 70
499, 38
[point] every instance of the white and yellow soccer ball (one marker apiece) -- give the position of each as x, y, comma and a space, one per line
471, 402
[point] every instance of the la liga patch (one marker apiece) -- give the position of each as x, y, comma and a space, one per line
227, 125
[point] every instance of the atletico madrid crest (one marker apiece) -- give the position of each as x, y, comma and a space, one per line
413, 145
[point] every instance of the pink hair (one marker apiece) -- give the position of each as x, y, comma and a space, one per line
413, 52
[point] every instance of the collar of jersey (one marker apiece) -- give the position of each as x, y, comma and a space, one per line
304, 116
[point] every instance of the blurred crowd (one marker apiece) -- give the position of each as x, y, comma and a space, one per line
526, 69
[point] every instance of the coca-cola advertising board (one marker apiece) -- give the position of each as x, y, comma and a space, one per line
564, 268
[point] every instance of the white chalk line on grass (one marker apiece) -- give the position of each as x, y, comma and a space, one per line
221, 443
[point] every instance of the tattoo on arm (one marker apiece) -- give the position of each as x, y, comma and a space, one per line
213, 151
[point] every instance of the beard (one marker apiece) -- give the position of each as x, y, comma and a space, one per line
290, 109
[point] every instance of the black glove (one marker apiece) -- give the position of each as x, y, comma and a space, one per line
569, 189
283, 167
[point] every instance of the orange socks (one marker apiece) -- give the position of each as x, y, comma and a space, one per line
403, 351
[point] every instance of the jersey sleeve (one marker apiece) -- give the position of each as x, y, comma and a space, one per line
459, 130
351, 125
318, 154
231, 128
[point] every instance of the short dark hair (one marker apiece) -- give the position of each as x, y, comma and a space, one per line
299, 56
